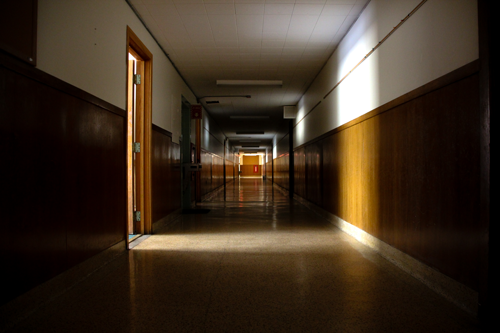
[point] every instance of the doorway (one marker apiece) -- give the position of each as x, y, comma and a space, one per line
139, 122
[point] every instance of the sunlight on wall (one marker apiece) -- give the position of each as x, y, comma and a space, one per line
299, 132
358, 93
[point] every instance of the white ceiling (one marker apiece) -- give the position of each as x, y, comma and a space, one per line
209, 40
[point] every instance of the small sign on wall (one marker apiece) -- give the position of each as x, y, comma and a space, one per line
196, 111
255, 169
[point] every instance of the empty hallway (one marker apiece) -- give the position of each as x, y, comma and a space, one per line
116, 116
256, 262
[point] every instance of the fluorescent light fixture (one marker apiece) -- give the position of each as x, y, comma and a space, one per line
249, 82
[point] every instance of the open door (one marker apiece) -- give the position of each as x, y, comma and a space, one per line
139, 70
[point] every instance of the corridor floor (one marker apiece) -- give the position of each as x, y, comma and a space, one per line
255, 263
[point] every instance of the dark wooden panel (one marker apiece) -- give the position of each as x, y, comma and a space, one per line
229, 171
409, 176
165, 175
300, 172
64, 192
281, 171
488, 85
206, 172
18, 29
269, 170
313, 167
175, 183
218, 172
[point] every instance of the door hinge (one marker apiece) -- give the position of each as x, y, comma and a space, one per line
137, 78
137, 216
136, 147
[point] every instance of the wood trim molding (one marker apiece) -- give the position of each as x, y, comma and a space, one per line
26, 70
454, 76
161, 130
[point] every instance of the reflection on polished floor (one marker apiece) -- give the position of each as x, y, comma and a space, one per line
255, 263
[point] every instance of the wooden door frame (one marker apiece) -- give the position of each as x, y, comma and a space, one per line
144, 176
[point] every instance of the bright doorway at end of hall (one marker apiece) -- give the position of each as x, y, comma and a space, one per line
251, 165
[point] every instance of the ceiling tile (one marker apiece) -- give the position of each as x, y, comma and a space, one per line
249, 50
198, 28
326, 27
220, 9
301, 27
228, 50
223, 27
207, 50
187, 1
219, 1
272, 50
226, 43
249, 9
276, 26
311, 1
249, 1
248, 42
278, 9
190, 8
288, 40
273, 42
250, 26
343, 10
340, 2
307, 9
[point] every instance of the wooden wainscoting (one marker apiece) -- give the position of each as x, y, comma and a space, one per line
229, 171
281, 171
407, 173
166, 184
212, 172
64, 166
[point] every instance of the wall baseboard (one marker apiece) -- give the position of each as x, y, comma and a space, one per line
455, 292
26, 304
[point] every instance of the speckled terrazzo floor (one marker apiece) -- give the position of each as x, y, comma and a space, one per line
255, 263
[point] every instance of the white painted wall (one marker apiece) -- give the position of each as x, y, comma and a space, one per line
439, 38
84, 43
